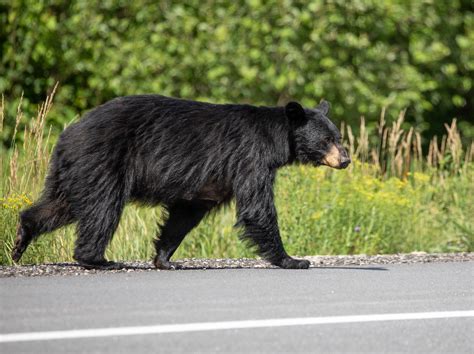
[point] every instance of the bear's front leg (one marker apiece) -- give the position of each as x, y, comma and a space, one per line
183, 216
258, 216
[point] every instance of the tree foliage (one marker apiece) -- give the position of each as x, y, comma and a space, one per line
360, 55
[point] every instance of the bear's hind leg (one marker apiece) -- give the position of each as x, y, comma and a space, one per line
44, 216
183, 216
95, 230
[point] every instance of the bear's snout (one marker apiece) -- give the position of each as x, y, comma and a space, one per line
336, 157
345, 162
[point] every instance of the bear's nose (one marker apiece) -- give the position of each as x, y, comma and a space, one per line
345, 162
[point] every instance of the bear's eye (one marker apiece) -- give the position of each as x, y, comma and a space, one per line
328, 140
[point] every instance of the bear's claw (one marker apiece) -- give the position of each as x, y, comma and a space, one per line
292, 263
17, 253
102, 264
164, 264
19, 246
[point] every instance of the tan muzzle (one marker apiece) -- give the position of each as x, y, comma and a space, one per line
335, 159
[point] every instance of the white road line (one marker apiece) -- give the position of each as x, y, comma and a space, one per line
216, 326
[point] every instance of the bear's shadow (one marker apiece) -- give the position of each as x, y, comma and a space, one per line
120, 266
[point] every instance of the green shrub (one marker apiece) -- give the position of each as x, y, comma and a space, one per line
360, 55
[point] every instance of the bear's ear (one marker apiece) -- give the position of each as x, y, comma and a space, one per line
295, 112
324, 107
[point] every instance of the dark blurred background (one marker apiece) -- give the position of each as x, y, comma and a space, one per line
360, 55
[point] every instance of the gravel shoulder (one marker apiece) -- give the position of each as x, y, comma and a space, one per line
73, 269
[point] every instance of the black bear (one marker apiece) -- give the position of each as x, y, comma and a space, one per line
189, 157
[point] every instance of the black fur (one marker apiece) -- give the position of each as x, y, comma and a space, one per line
188, 156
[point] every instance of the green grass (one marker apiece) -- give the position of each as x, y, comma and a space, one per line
419, 205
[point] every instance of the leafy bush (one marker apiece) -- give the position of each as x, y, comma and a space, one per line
360, 55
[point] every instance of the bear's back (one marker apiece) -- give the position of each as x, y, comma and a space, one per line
179, 146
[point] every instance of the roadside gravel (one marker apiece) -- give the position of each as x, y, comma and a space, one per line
183, 264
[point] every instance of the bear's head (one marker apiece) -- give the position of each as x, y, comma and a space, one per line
316, 138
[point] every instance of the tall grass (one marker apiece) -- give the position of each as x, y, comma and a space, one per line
395, 197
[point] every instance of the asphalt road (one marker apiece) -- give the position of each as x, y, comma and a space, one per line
134, 303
